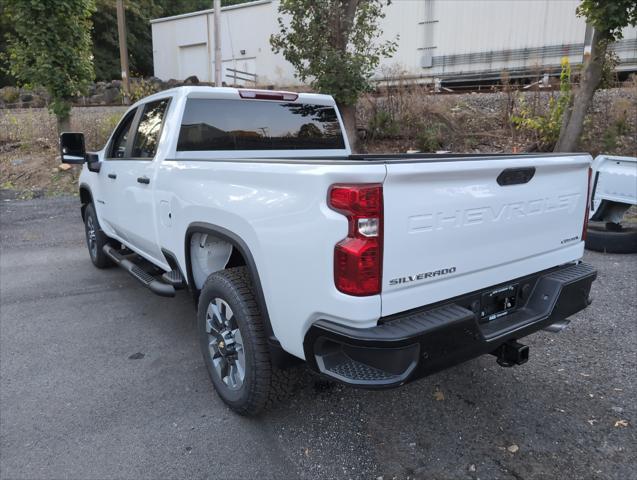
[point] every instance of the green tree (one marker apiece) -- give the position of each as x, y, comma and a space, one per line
139, 13
334, 44
51, 47
5, 27
608, 18
546, 126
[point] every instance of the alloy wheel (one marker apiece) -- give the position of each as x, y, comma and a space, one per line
91, 236
225, 344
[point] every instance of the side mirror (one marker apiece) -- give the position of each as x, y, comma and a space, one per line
72, 149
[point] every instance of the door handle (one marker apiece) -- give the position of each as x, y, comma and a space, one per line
144, 180
112, 175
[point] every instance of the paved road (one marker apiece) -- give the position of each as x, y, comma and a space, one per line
75, 405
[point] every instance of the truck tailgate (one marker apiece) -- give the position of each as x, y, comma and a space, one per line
451, 227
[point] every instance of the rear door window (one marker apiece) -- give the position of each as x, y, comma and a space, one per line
148, 130
215, 124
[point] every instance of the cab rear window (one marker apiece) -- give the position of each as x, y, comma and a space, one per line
215, 124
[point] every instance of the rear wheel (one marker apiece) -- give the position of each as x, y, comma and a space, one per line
234, 344
95, 238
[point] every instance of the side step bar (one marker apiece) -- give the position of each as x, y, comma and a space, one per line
174, 278
156, 286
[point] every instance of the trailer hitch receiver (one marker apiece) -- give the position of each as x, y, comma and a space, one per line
511, 353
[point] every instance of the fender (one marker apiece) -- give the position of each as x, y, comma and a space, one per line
171, 260
84, 186
280, 357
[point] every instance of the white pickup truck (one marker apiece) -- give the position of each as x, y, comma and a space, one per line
373, 269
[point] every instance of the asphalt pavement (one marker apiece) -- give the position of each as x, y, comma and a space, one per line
100, 379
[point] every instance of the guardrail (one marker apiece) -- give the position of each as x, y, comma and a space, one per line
241, 75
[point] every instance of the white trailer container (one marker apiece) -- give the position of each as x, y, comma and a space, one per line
453, 41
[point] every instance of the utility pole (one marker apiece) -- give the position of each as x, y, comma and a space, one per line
217, 22
123, 49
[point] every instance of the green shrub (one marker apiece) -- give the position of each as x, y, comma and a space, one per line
430, 138
609, 75
382, 125
10, 94
546, 126
622, 108
140, 88
609, 139
621, 124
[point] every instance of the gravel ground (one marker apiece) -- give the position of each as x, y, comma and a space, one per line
74, 404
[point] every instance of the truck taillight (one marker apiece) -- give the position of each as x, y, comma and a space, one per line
358, 258
268, 95
588, 205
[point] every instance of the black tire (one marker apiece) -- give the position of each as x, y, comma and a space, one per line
601, 239
95, 238
263, 384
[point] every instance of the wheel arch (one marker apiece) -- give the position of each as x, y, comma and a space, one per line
240, 246
86, 197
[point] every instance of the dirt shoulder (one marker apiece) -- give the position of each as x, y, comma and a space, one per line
29, 157
394, 121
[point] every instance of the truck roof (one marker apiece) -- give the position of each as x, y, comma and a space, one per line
201, 91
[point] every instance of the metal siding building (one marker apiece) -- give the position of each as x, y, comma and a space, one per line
450, 40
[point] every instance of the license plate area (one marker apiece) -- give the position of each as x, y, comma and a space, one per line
498, 302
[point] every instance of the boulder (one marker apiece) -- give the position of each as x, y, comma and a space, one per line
112, 95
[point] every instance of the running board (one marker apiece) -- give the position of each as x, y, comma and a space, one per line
156, 286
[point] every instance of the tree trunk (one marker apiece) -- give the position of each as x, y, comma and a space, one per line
573, 121
348, 114
64, 123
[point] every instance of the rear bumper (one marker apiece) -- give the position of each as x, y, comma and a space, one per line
414, 344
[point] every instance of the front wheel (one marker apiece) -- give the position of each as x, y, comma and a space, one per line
234, 344
95, 238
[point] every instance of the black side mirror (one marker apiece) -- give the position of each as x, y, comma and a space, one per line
72, 149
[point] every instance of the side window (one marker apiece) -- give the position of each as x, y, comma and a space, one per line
148, 130
117, 148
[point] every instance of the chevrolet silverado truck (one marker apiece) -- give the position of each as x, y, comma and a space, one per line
375, 270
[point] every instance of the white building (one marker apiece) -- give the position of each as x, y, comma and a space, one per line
452, 40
